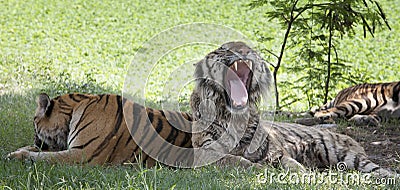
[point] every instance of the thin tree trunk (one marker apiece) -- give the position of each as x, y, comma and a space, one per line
276, 68
276, 89
328, 77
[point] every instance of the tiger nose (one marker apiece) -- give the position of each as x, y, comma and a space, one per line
244, 51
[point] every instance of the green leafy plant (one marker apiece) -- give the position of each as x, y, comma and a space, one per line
312, 30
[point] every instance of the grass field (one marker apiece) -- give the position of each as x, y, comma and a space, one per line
60, 47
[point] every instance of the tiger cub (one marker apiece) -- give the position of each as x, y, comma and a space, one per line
364, 104
99, 129
229, 84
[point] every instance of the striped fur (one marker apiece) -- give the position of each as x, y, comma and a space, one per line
295, 146
93, 129
364, 104
238, 136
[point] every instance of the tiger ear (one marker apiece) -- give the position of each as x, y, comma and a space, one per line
197, 63
43, 102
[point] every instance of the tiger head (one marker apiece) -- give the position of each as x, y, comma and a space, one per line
51, 122
234, 76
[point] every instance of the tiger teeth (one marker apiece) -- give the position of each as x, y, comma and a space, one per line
249, 63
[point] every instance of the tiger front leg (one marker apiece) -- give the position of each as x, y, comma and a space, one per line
67, 156
342, 110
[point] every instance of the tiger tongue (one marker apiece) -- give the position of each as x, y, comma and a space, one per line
238, 92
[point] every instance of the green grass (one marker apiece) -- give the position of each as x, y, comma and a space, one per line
87, 46
25, 175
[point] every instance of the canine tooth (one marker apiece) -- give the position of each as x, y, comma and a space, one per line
249, 64
235, 65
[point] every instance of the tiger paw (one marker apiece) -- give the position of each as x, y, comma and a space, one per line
248, 164
324, 117
20, 154
232, 160
307, 121
364, 120
257, 166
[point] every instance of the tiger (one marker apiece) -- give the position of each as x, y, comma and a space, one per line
230, 83
99, 129
363, 104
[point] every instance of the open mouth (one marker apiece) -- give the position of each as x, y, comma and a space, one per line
237, 82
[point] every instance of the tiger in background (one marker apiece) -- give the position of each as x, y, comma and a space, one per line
364, 104
229, 84
94, 130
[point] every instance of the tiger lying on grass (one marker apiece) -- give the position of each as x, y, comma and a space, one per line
92, 129
228, 89
364, 104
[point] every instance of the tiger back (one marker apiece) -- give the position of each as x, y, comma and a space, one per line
92, 129
364, 104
